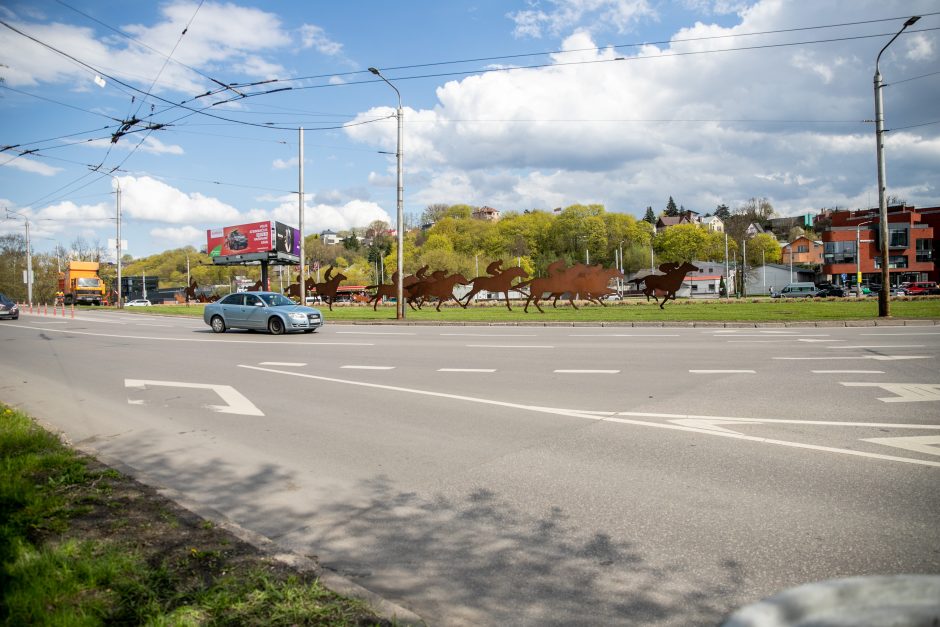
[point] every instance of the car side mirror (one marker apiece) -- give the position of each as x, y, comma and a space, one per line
259, 304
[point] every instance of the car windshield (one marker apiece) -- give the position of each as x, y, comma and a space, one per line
89, 282
275, 300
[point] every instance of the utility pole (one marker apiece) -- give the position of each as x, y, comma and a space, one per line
29, 258
117, 246
300, 218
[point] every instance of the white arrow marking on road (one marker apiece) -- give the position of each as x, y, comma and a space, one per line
711, 424
929, 444
906, 392
235, 402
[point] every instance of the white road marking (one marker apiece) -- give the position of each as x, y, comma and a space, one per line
376, 333
711, 424
756, 341
929, 444
906, 392
877, 357
722, 371
236, 403
587, 371
623, 335
491, 334
193, 339
804, 339
368, 367
612, 417
764, 334
508, 346
779, 421
283, 363
892, 333
847, 371
881, 346
466, 369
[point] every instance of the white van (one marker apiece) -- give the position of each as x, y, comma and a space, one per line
796, 290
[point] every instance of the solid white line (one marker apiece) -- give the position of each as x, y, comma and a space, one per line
282, 363
890, 333
369, 367
610, 417
508, 346
847, 371
587, 371
878, 357
722, 371
376, 333
466, 369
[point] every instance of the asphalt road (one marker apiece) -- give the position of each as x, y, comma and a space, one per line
523, 475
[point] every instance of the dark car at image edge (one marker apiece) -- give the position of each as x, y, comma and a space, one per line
8, 308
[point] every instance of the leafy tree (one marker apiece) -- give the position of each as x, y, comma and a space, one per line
723, 212
763, 248
758, 210
650, 216
671, 209
433, 213
683, 242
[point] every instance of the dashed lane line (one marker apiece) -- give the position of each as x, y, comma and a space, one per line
616, 417
847, 371
881, 346
877, 357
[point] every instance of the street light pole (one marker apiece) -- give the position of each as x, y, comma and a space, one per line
858, 257
399, 291
883, 307
117, 246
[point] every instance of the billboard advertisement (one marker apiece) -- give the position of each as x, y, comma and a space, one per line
286, 239
240, 239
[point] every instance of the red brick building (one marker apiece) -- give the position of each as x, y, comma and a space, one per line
852, 243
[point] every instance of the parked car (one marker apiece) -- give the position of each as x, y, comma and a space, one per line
922, 288
898, 291
796, 290
138, 302
8, 308
261, 310
825, 291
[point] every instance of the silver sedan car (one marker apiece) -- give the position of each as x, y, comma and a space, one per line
259, 311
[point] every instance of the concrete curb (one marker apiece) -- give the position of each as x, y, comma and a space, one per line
704, 324
337, 583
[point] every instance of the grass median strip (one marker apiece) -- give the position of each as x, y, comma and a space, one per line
81, 544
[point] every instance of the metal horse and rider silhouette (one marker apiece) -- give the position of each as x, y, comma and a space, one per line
561, 281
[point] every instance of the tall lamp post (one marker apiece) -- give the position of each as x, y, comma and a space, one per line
883, 308
399, 292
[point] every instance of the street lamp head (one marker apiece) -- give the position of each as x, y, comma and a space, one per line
374, 71
911, 21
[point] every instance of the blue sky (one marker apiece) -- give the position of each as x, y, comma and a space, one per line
553, 104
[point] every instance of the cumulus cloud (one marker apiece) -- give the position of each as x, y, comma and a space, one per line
322, 216
313, 36
69, 214
629, 128
284, 164
31, 166
174, 237
146, 198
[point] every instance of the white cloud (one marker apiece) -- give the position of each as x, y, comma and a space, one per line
786, 123
282, 164
29, 165
563, 15
68, 215
145, 198
313, 36
919, 47
322, 216
175, 237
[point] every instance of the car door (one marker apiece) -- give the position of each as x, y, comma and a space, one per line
234, 310
255, 314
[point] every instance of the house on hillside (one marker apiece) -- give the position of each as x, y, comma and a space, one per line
713, 224
802, 251
329, 237
485, 213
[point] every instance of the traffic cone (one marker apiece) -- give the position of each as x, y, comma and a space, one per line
73, 310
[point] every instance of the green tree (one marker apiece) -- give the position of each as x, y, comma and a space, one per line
763, 248
650, 216
683, 242
671, 209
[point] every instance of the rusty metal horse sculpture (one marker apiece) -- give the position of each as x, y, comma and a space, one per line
500, 283
665, 285
327, 289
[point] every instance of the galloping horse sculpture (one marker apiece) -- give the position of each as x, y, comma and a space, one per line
441, 288
589, 282
327, 289
665, 285
501, 283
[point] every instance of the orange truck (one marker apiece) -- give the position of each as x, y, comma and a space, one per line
81, 284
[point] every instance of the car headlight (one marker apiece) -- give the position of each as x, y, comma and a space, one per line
299, 317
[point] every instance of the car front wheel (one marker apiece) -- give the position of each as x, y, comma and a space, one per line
276, 326
217, 324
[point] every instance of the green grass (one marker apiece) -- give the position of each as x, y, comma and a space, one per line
52, 574
727, 310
